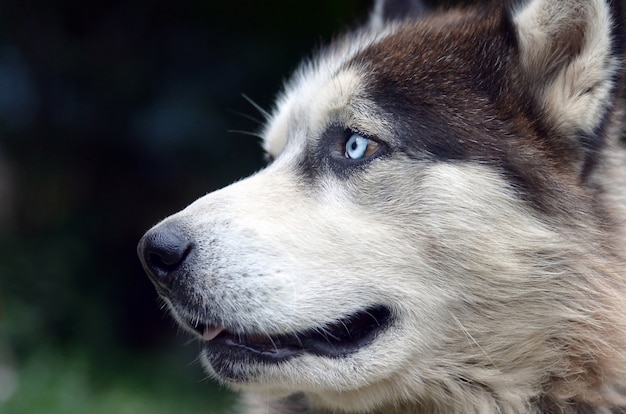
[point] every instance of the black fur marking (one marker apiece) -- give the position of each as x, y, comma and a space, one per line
328, 154
402, 9
618, 34
593, 143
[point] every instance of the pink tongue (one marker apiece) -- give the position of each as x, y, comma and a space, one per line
211, 332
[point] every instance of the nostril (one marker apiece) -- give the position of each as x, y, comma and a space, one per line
162, 252
167, 260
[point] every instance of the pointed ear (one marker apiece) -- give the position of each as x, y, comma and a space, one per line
387, 10
571, 54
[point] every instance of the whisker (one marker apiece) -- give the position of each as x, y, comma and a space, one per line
325, 332
272, 341
248, 117
346, 328
373, 317
238, 131
194, 361
189, 341
258, 107
295, 335
472, 339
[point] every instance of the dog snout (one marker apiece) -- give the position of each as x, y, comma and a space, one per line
163, 251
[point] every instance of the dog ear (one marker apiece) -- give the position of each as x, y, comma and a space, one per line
388, 10
571, 55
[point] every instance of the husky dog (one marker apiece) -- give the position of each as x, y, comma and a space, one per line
442, 227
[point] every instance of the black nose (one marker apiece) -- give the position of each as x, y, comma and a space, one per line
162, 252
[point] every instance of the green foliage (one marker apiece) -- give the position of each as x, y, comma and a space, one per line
55, 382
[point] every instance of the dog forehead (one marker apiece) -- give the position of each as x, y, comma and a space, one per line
446, 53
308, 108
406, 66
328, 88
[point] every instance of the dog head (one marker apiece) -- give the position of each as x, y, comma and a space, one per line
428, 228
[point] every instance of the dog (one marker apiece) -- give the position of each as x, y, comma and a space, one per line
441, 227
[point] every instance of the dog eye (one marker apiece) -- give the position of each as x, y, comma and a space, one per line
359, 147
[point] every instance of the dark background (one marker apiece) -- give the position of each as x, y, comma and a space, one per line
113, 115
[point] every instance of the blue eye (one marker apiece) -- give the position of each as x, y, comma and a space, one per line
359, 147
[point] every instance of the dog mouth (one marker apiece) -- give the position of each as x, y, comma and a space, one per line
336, 340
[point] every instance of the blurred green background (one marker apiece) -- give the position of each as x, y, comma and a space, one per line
114, 114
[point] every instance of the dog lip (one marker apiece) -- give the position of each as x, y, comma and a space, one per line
336, 340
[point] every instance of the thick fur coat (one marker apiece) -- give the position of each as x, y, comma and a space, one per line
442, 227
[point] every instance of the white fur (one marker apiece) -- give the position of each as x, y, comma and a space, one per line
575, 97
